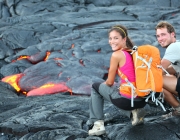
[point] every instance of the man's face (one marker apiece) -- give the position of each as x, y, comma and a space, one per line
164, 38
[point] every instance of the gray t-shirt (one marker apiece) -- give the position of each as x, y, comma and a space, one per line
172, 54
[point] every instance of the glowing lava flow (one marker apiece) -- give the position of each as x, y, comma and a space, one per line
47, 55
13, 81
50, 88
23, 57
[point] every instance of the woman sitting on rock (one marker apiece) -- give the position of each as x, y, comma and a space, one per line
120, 59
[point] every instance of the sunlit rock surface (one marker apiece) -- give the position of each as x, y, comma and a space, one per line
65, 43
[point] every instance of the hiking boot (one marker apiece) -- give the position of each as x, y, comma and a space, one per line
138, 116
98, 128
171, 114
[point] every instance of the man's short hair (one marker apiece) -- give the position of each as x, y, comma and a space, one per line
165, 24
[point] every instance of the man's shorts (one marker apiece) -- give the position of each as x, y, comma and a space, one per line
178, 86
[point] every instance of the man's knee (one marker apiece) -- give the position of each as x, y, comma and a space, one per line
169, 83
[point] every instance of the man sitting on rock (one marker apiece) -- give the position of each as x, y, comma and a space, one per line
166, 37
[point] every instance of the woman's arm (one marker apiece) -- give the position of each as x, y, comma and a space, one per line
114, 64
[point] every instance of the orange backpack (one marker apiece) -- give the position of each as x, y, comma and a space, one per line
148, 72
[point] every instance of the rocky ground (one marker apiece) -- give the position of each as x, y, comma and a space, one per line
65, 43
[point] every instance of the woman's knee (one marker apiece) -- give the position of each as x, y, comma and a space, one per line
95, 86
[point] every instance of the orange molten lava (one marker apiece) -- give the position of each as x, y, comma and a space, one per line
47, 55
22, 57
26, 57
13, 81
49, 88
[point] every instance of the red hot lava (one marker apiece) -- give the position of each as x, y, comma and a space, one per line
48, 88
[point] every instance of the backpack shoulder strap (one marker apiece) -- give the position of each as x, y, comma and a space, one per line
129, 84
134, 49
124, 77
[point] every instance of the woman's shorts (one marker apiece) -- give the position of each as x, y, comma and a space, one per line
178, 86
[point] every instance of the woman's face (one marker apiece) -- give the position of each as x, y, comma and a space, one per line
116, 41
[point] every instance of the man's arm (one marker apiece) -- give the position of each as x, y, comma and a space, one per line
166, 64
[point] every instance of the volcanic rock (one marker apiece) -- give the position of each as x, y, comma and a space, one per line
59, 43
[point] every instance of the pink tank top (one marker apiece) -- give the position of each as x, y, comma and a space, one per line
128, 68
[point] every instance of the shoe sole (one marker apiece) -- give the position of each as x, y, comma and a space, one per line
98, 133
167, 116
140, 115
141, 121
